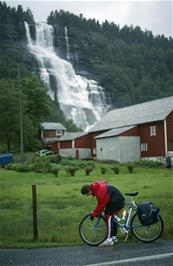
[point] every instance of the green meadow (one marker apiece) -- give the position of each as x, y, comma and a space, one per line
60, 206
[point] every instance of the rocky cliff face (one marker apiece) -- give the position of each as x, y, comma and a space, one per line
13, 51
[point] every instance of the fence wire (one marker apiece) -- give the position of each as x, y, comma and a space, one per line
58, 217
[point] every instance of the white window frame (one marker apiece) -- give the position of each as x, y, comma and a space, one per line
58, 132
152, 130
144, 146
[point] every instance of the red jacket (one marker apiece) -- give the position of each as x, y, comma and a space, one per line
99, 190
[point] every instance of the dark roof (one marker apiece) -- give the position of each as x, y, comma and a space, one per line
151, 111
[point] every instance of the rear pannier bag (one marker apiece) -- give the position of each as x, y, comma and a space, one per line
147, 213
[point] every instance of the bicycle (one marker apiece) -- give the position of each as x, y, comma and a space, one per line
94, 232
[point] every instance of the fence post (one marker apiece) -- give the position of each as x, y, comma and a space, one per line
34, 212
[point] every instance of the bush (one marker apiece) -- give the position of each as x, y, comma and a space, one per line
67, 162
130, 168
103, 170
41, 164
71, 170
91, 164
56, 158
115, 169
149, 164
13, 166
54, 169
88, 169
23, 168
8, 166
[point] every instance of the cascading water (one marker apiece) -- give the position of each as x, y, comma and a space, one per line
80, 99
67, 43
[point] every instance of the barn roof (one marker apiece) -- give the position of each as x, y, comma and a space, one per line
151, 111
72, 136
52, 126
113, 132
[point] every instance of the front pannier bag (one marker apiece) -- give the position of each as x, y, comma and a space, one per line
147, 213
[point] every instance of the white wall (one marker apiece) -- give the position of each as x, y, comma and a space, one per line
83, 153
67, 153
121, 149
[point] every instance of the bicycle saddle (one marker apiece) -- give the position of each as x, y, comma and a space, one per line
132, 193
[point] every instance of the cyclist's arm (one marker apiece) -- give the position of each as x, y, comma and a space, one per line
102, 201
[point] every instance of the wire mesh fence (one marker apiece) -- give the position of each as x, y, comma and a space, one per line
58, 217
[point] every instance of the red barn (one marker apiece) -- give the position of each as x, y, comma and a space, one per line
150, 124
73, 144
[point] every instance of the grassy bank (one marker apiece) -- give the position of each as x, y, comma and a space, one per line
61, 206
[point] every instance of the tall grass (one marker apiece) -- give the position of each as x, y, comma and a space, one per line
61, 206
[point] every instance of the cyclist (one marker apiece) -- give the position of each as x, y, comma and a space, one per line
111, 200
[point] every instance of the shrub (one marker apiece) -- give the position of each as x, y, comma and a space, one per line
8, 166
103, 170
88, 169
149, 164
41, 164
54, 169
56, 158
115, 169
31, 166
91, 164
67, 162
130, 168
70, 170
13, 166
23, 168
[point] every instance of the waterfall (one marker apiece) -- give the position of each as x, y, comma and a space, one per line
67, 43
80, 99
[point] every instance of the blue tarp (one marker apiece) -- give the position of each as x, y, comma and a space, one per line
6, 158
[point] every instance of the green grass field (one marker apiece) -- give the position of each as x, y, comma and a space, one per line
61, 206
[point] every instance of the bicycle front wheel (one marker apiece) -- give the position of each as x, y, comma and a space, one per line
93, 232
149, 233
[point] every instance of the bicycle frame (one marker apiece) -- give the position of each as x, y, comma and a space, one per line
126, 226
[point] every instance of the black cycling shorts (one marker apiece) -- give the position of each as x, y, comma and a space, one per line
113, 206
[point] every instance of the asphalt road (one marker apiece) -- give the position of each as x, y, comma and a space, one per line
159, 253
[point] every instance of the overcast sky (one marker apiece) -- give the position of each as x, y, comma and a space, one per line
154, 15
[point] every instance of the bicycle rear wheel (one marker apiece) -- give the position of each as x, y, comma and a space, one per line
93, 232
149, 233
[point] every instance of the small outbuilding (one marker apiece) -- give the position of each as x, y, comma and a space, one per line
51, 131
73, 144
120, 144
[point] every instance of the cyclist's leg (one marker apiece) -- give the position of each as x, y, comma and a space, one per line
111, 231
111, 226
109, 217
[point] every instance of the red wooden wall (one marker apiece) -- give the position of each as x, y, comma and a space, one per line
156, 146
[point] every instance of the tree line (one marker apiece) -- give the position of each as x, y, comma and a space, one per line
11, 21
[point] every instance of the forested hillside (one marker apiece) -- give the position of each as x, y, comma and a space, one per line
132, 65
